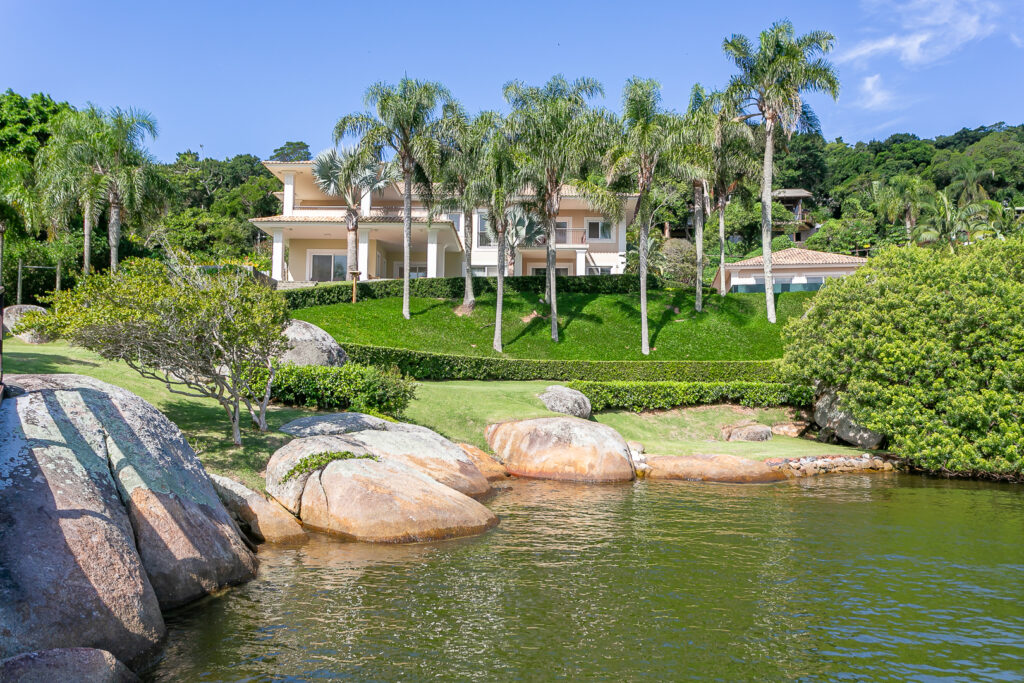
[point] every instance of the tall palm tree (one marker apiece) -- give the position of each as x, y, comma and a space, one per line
559, 133
912, 194
525, 227
348, 175
947, 221
404, 121
651, 138
996, 220
461, 167
967, 185
772, 79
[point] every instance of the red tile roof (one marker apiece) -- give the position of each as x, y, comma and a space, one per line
341, 219
802, 257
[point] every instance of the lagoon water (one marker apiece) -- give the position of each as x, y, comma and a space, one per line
854, 577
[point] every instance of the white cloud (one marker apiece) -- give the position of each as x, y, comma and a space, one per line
874, 96
1016, 40
926, 30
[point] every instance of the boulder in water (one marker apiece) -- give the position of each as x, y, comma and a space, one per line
264, 520
311, 345
84, 664
713, 468
832, 419
566, 448
488, 466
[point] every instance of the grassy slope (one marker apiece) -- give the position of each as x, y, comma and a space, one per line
593, 327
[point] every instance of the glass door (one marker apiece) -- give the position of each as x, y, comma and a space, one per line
328, 268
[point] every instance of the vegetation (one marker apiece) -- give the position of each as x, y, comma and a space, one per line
318, 461
927, 348
349, 387
640, 396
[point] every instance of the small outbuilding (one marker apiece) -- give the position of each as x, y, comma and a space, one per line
793, 270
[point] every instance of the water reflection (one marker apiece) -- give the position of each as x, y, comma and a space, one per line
853, 576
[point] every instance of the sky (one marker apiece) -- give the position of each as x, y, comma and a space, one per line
225, 78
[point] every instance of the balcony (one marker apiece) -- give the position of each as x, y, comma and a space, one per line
564, 237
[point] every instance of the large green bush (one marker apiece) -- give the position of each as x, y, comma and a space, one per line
440, 366
349, 387
638, 396
927, 348
453, 287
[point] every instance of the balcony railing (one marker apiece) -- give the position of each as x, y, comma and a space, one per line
563, 237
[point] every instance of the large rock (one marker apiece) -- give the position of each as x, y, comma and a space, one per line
416, 446
559, 399
488, 466
382, 500
13, 316
310, 345
831, 418
189, 545
264, 520
747, 431
720, 468
566, 448
83, 664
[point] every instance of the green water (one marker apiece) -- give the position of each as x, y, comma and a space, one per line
844, 577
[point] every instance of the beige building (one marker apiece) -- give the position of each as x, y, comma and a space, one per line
310, 238
793, 270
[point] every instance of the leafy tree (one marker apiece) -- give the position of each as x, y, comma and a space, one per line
803, 164
405, 122
843, 236
25, 123
772, 79
292, 151
214, 335
205, 235
254, 198
995, 220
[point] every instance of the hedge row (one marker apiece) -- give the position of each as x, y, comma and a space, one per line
438, 366
350, 387
453, 288
638, 396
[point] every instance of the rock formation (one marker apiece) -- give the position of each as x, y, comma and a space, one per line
559, 399
310, 345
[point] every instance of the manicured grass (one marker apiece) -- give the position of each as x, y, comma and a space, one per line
462, 410
202, 420
592, 326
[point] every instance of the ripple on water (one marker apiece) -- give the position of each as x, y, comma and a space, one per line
861, 576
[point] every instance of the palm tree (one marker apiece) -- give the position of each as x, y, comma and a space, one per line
947, 221
405, 122
559, 133
912, 194
461, 167
967, 185
347, 175
772, 79
525, 227
996, 220
651, 138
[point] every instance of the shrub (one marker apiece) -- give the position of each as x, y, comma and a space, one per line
927, 348
452, 288
638, 396
349, 387
438, 366
317, 461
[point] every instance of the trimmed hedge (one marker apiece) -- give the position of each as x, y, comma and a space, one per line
424, 365
453, 288
349, 387
638, 396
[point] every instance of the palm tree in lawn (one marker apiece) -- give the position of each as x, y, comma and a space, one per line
772, 78
461, 166
404, 121
348, 175
650, 139
559, 133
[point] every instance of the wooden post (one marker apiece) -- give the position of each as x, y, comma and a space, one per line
18, 299
354, 274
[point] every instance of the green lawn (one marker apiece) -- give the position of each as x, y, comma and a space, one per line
592, 326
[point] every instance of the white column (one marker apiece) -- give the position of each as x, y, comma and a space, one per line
364, 253
432, 251
517, 264
581, 261
277, 256
289, 194
364, 204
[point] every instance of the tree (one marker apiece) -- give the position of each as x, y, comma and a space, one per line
213, 335
525, 228
947, 221
348, 175
967, 185
558, 133
26, 123
292, 151
405, 122
902, 198
772, 79
996, 220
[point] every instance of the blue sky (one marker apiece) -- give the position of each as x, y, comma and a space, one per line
232, 77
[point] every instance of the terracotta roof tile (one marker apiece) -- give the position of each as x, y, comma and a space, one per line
802, 257
341, 219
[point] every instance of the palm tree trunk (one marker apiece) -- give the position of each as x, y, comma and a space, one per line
87, 246
468, 298
501, 288
352, 243
552, 209
698, 234
721, 242
58, 275
406, 241
645, 346
908, 220
114, 232
766, 217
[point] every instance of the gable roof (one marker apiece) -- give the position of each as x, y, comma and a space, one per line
791, 193
795, 256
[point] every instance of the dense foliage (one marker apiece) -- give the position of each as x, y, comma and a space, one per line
927, 348
318, 461
350, 387
660, 395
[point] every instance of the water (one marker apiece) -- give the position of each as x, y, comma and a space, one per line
843, 577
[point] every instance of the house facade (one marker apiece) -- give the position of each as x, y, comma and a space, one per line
310, 238
793, 270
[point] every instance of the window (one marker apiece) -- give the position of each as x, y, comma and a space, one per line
561, 232
415, 270
328, 267
485, 271
599, 230
544, 271
456, 219
599, 270
483, 234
